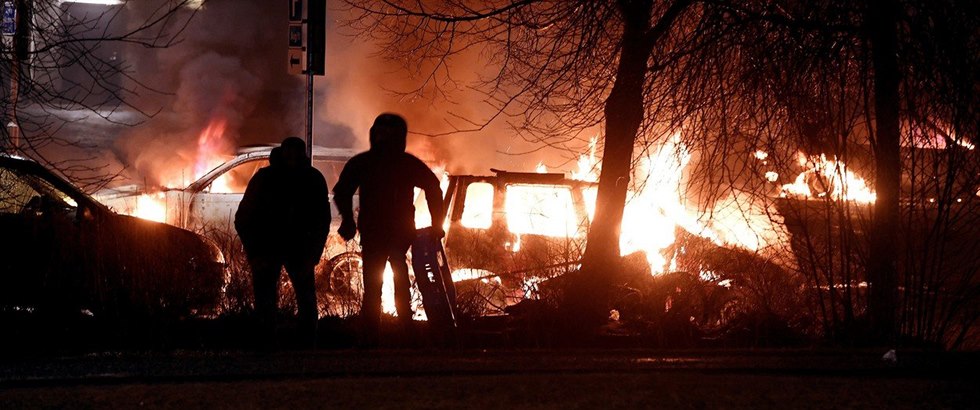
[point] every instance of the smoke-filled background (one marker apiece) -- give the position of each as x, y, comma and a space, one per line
226, 85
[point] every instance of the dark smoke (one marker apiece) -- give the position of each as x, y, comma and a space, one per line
231, 65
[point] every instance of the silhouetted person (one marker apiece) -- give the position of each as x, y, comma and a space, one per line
283, 221
387, 177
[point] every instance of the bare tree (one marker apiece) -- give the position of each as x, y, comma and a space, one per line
851, 81
865, 83
560, 68
66, 65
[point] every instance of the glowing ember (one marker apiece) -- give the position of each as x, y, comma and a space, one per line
830, 179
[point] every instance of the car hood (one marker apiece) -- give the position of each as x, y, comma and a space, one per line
169, 238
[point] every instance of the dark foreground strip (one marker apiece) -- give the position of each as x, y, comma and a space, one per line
124, 371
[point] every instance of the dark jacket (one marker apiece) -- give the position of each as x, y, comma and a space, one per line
387, 179
284, 212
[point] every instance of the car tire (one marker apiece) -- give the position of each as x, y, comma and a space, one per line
339, 285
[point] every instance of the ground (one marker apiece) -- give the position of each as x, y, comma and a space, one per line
506, 378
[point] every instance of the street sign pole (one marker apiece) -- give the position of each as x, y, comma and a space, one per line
316, 36
309, 109
307, 46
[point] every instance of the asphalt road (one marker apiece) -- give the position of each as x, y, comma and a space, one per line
491, 379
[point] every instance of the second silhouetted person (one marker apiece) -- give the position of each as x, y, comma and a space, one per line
387, 177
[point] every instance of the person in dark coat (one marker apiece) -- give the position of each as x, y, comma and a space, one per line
387, 177
283, 221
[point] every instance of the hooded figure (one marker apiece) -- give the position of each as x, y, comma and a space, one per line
387, 177
283, 221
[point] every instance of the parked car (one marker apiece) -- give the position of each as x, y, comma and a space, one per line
63, 251
208, 206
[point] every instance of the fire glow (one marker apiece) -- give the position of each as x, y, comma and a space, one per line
830, 179
152, 207
211, 147
654, 209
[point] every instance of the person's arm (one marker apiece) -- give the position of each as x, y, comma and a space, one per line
343, 191
343, 196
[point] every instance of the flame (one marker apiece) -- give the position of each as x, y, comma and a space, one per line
211, 149
152, 207
588, 164
542, 210
388, 291
823, 178
654, 210
422, 217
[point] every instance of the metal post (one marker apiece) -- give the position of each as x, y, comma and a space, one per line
309, 111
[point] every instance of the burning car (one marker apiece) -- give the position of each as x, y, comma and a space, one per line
510, 231
63, 251
208, 206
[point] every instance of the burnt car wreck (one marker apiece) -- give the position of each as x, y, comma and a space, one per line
510, 231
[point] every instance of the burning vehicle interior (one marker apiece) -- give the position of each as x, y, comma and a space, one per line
509, 231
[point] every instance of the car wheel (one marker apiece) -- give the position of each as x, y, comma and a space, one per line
339, 285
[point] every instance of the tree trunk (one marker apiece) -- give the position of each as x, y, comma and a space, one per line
882, 272
624, 114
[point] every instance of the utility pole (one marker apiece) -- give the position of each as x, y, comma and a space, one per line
309, 110
309, 16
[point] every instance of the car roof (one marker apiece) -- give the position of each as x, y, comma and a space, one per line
533, 178
252, 152
318, 151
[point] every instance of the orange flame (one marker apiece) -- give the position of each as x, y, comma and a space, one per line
152, 207
823, 178
212, 146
